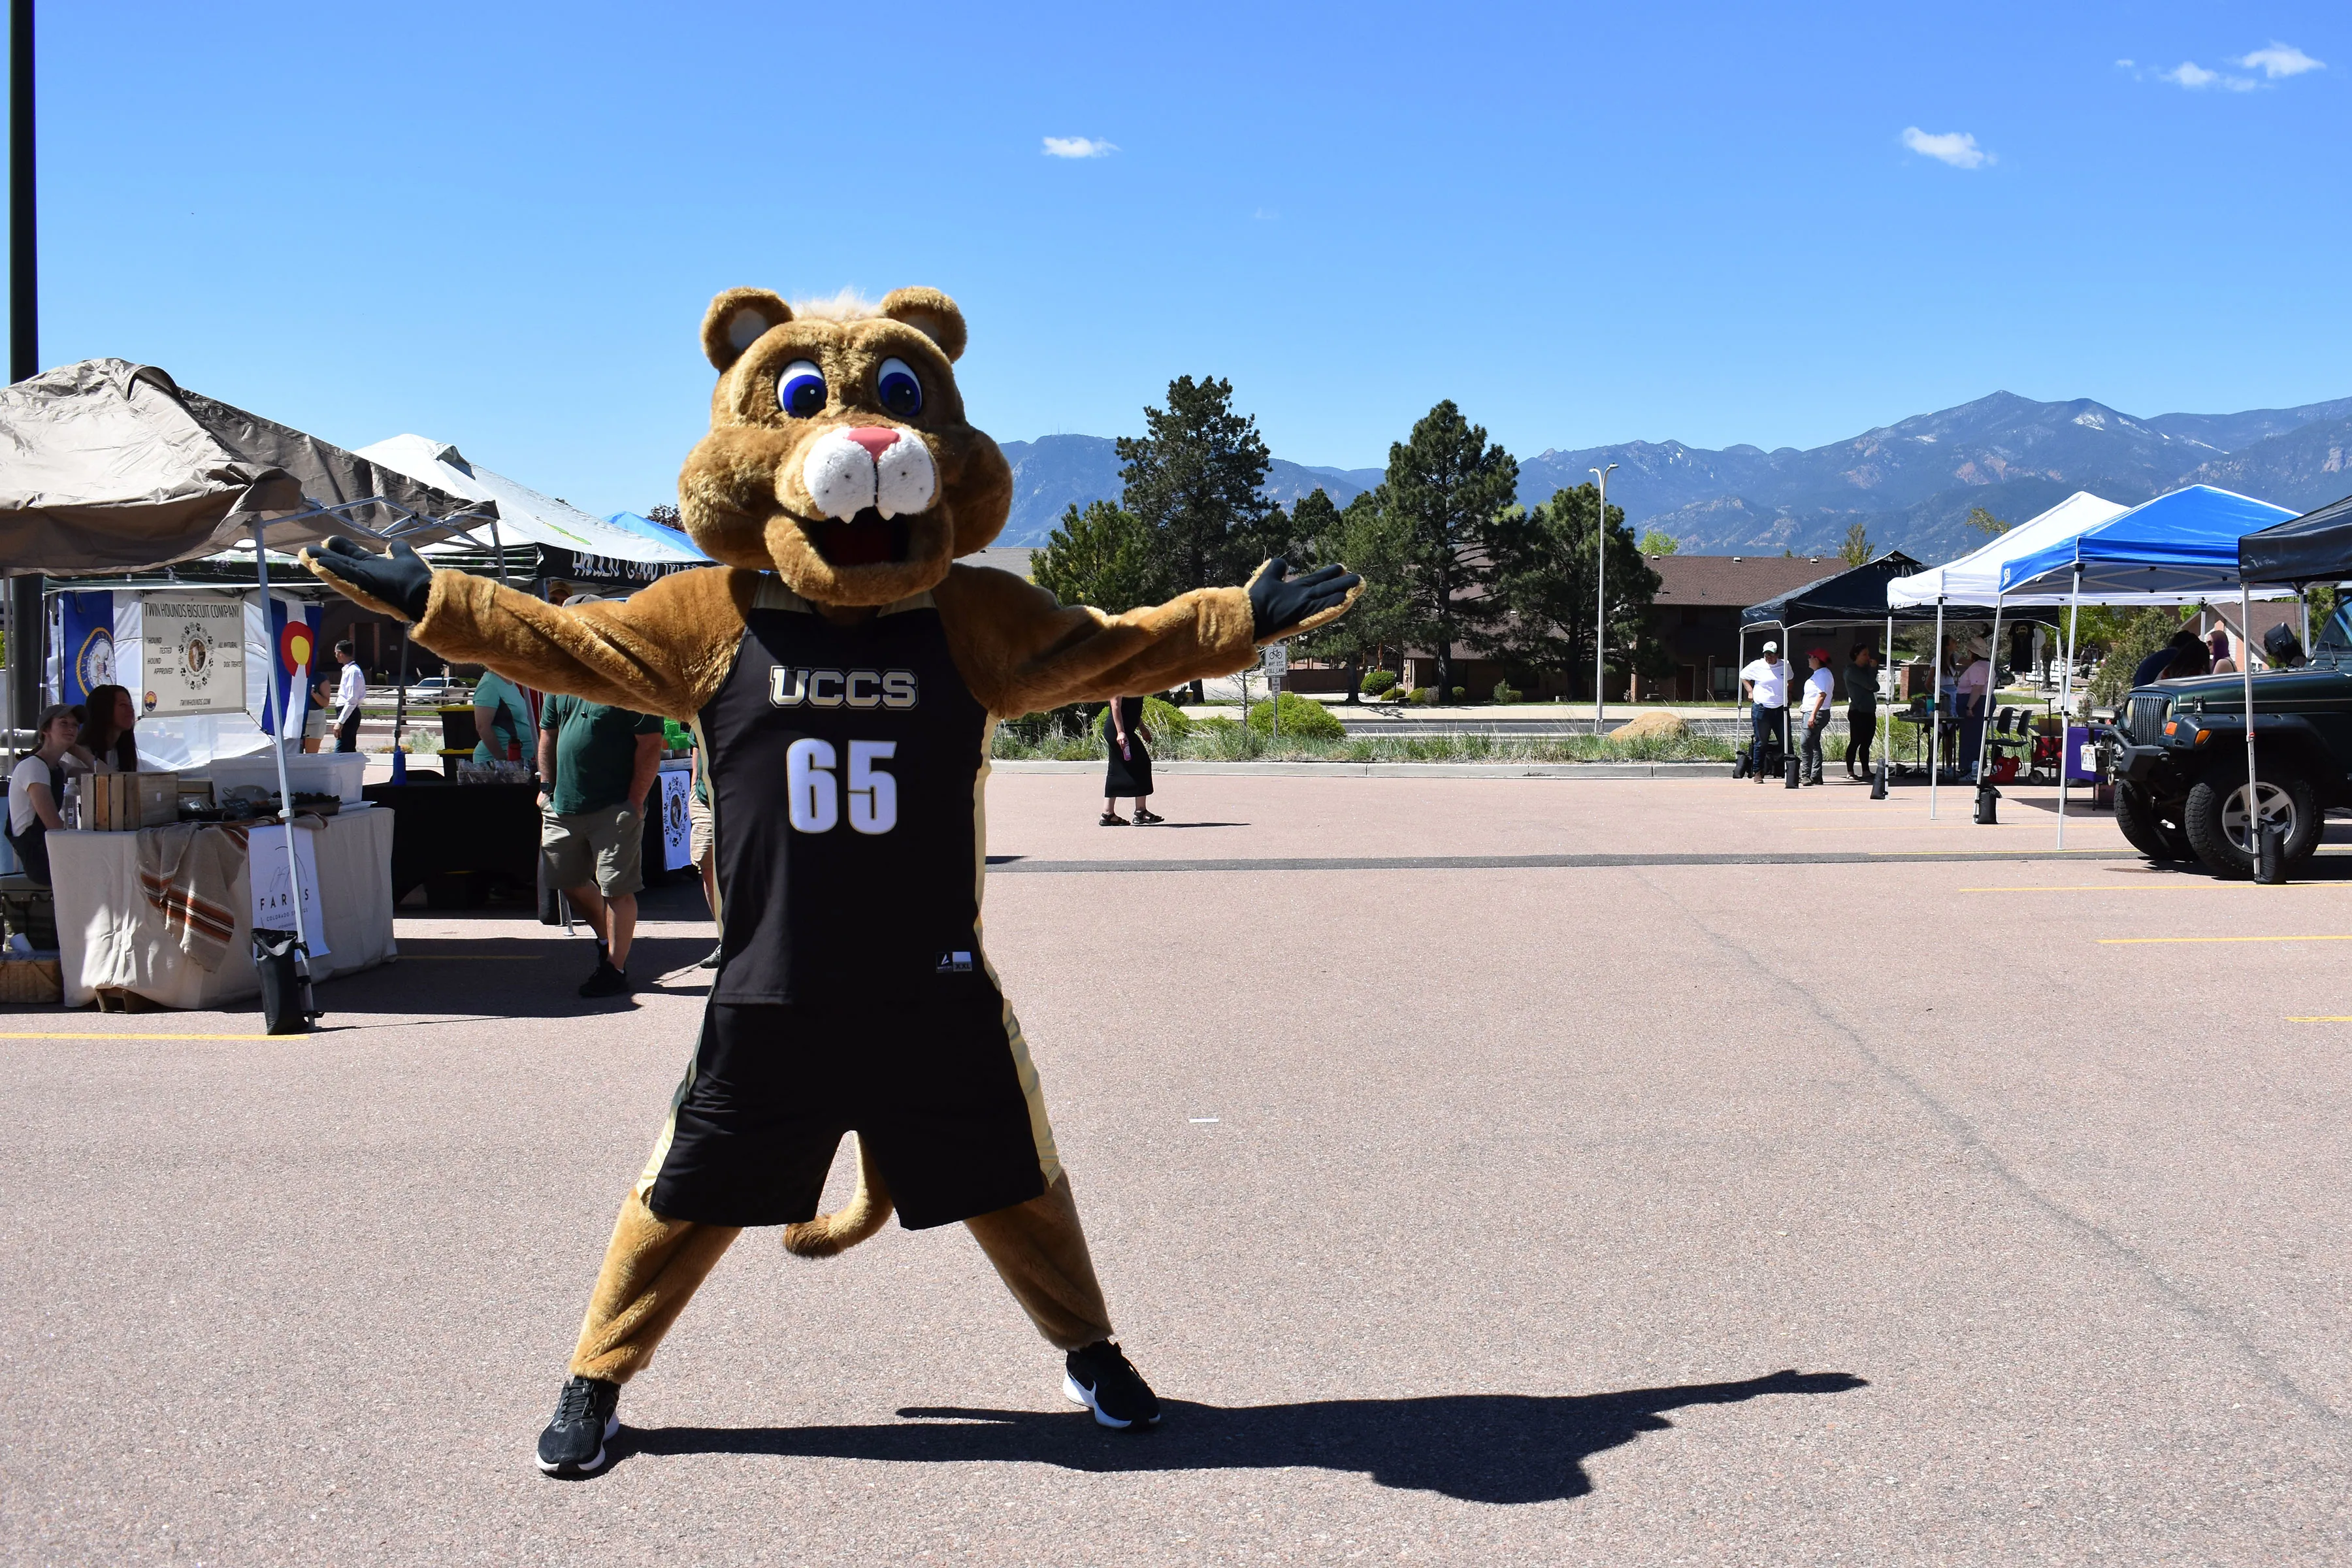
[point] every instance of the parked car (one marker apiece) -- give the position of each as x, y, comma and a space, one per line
433, 690
2180, 758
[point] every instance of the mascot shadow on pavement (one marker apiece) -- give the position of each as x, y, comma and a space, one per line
843, 676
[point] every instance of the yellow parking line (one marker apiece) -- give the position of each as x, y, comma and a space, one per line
2325, 1018
2168, 886
128, 1036
2176, 941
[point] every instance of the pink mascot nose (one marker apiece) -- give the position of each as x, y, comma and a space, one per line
875, 440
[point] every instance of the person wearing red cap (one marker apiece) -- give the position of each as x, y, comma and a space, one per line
1820, 688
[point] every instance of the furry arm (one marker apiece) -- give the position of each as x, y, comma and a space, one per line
1020, 651
665, 650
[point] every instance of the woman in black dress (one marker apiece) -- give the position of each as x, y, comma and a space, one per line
1129, 777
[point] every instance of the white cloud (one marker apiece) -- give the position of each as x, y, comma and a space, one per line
2126, 65
1078, 147
2191, 75
1956, 148
2281, 59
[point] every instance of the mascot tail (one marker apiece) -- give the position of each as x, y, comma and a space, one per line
867, 1209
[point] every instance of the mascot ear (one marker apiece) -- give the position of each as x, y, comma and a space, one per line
929, 312
738, 319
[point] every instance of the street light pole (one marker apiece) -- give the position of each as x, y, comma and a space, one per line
1601, 589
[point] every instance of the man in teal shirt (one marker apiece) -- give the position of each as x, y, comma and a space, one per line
502, 719
596, 763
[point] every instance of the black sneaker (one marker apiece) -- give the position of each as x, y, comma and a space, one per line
712, 961
573, 1443
1100, 1378
606, 981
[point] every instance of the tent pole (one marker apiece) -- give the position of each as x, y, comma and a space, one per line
2066, 697
276, 708
1885, 736
1992, 680
2302, 603
1935, 709
2246, 679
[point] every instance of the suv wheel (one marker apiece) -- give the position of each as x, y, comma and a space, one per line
2219, 825
2152, 827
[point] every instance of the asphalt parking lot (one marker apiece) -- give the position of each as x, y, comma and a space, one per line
1530, 1171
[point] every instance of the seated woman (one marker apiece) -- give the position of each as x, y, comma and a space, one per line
106, 744
35, 788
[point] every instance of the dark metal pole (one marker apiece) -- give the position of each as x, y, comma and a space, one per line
28, 624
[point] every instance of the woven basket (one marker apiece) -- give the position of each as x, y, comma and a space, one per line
31, 982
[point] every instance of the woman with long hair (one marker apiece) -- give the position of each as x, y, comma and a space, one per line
105, 731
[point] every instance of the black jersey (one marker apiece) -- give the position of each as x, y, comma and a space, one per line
845, 765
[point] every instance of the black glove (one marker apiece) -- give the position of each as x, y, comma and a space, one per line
401, 579
1279, 604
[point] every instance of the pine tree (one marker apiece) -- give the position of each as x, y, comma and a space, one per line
1097, 557
1550, 589
1450, 496
1368, 542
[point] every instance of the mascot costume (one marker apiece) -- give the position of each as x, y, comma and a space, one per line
843, 678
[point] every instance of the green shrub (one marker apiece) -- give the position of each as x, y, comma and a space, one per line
1506, 692
1035, 729
1421, 696
1166, 719
1378, 681
1460, 693
1303, 719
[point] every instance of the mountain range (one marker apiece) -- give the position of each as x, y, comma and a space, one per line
1910, 484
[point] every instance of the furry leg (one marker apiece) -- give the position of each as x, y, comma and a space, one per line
1040, 1252
651, 1270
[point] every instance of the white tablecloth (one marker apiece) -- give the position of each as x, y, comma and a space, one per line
105, 941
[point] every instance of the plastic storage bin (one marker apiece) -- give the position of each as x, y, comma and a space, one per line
338, 774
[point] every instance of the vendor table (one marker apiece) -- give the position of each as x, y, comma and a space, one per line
109, 937
451, 832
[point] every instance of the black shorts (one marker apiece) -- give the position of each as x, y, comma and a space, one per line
942, 1095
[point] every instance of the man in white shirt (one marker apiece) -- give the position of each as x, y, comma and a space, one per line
1821, 686
350, 691
1765, 684
1969, 699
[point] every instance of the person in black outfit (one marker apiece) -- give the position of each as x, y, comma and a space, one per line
2185, 655
1860, 707
1128, 777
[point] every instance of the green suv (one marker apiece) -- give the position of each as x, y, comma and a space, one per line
2180, 758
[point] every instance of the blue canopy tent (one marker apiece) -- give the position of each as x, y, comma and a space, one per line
2178, 548
661, 532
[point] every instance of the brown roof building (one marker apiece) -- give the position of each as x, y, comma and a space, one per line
1697, 616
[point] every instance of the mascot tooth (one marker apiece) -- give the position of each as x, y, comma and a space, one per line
840, 650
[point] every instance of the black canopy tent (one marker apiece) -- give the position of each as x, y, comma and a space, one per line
1853, 597
2313, 548
112, 466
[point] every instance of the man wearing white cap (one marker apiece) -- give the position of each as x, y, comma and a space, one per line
1765, 684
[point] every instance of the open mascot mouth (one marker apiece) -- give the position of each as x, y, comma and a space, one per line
867, 539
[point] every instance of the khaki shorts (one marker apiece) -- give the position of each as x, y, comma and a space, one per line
605, 847
698, 830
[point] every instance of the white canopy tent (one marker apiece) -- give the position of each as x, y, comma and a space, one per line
1975, 578
524, 514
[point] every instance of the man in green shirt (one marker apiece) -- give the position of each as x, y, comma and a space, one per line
596, 763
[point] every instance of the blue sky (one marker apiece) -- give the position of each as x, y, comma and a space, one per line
498, 225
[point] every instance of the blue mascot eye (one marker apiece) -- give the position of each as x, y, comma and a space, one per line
901, 393
800, 389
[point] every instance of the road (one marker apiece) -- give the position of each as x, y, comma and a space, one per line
1685, 1173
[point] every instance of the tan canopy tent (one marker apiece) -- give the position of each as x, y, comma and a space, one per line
106, 466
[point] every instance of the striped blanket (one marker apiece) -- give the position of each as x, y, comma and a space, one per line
187, 872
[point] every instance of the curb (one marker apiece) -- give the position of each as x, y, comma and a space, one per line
1405, 770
